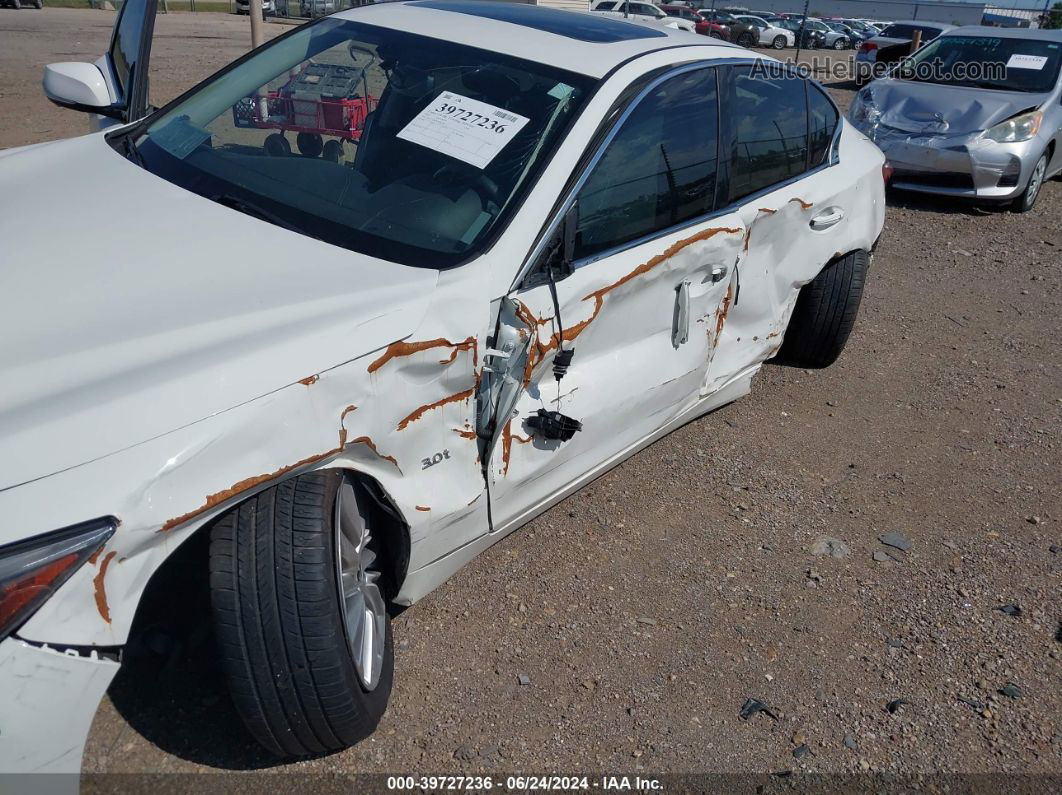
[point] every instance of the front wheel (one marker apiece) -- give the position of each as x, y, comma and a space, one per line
825, 313
840, 44
778, 43
297, 582
1028, 197
716, 35
746, 40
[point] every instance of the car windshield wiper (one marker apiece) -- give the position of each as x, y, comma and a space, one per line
131, 152
255, 211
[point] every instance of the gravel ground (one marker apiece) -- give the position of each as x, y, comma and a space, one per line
646, 609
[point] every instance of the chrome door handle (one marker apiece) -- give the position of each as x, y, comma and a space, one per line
827, 219
719, 273
680, 332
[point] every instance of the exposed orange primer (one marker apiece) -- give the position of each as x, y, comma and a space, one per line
803, 204
420, 412
465, 434
451, 357
507, 445
540, 349
365, 440
422, 507
213, 500
95, 556
398, 349
101, 591
748, 232
724, 310
310, 381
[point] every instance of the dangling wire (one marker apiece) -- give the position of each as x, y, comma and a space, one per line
563, 358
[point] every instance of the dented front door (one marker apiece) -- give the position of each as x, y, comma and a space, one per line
651, 283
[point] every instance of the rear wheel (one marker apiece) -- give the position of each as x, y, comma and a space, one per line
297, 585
778, 43
840, 44
1028, 197
825, 313
16, 4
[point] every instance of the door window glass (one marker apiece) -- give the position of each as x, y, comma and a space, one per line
125, 45
768, 141
822, 122
659, 169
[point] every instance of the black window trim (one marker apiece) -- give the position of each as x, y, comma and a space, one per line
611, 126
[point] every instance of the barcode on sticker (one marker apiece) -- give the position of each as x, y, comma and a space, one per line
501, 114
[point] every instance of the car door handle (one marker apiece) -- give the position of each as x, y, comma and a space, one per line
680, 332
827, 219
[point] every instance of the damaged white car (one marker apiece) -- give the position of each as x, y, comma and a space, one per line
365, 302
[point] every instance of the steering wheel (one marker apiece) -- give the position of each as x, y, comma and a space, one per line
487, 188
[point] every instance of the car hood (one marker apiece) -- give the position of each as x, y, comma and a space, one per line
130, 307
915, 107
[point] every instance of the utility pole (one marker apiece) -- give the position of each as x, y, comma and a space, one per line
800, 33
254, 11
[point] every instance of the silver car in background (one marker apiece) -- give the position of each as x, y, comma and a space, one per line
976, 113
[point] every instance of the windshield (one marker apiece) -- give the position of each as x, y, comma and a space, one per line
403, 147
986, 62
908, 31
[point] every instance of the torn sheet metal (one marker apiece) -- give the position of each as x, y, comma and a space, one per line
41, 684
403, 414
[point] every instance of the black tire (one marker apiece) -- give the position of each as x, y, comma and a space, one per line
16, 4
825, 313
276, 145
746, 40
716, 35
309, 144
280, 625
1027, 199
333, 151
840, 44
779, 42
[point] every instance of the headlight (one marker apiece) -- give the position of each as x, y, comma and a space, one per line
1020, 128
863, 110
32, 570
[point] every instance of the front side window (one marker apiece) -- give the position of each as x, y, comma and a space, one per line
659, 169
822, 123
768, 135
402, 147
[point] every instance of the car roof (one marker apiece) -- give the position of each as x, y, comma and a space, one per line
1007, 33
923, 23
588, 43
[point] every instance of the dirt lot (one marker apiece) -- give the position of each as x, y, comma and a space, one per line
647, 608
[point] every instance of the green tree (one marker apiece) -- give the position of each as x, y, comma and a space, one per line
1054, 17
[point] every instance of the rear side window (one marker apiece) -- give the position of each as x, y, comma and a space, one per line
659, 170
822, 122
766, 112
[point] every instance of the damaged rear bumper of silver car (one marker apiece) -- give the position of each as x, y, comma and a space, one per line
954, 165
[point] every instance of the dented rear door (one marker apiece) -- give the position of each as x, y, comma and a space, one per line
652, 276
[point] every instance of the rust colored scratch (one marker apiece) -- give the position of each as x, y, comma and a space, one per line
465, 434
803, 204
213, 500
766, 211
310, 381
420, 412
399, 349
724, 310
101, 591
422, 507
540, 349
365, 440
748, 232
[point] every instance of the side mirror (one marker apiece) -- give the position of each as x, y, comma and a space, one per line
79, 86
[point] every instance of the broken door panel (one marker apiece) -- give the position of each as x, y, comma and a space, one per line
628, 376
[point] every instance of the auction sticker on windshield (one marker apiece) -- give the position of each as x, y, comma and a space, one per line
464, 128
1019, 61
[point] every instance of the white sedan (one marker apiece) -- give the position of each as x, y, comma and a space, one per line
770, 36
641, 12
516, 246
